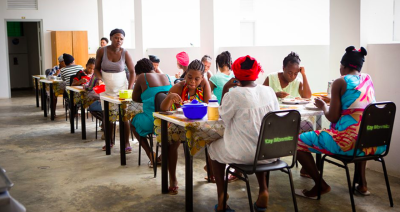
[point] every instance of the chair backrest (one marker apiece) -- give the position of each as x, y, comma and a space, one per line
71, 79
278, 136
158, 99
376, 126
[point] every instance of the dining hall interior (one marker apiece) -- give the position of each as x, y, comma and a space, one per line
57, 153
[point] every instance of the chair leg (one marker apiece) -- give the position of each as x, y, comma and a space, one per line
297, 164
152, 155
76, 110
226, 189
157, 145
96, 129
115, 128
140, 154
267, 179
320, 176
248, 192
207, 165
387, 181
350, 189
292, 189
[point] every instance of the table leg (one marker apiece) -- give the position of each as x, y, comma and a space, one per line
164, 157
52, 105
188, 178
83, 122
37, 91
72, 111
122, 136
107, 131
44, 95
318, 126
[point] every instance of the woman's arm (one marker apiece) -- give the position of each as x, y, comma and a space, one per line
266, 82
131, 68
304, 88
231, 83
212, 86
97, 67
174, 96
206, 90
137, 90
333, 112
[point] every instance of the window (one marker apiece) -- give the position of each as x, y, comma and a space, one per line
173, 23
119, 14
275, 22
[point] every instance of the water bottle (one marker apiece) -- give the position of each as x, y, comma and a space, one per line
212, 109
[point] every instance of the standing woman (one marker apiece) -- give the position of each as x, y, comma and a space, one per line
110, 64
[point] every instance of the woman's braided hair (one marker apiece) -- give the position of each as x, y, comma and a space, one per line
224, 59
143, 66
196, 65
293, 57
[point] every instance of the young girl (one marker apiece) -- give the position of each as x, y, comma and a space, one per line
242, 110
195, 86
217, 82
147, 85
286, 83
84, 76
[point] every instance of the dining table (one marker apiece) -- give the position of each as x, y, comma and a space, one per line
52, 88
199, 133
36, 86
122, 110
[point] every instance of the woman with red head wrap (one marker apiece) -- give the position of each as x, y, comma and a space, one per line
182, 61
243, 106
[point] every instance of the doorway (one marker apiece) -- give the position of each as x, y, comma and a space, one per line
24, 50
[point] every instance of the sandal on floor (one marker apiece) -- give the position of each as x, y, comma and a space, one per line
259, 209
212, 180
159, 160
149, 164
305, 175
128, 150
232, 178
356, 189
228, 209
104, 147
173, 190
300, 192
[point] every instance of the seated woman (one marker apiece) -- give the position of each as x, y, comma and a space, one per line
156, 62
193, 87
206, 60
182, 61
286, 83
147, 85
84, 76
242, 110
217, 82
351, 93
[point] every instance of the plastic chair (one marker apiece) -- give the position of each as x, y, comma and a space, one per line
375, 130
278, 138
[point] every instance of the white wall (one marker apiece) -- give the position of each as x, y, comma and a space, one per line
397, 20
315, 59
382, 60
56, 15
168, 57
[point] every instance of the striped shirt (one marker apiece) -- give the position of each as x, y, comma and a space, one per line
68, 71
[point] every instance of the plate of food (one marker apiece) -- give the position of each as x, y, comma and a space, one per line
296, 101
311, 106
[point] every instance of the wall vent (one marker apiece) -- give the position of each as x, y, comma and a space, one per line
22, 4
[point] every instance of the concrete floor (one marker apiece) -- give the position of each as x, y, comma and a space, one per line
54, 170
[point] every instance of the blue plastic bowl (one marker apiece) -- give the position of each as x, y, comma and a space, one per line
197, 112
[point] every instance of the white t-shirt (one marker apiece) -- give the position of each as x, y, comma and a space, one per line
242, 111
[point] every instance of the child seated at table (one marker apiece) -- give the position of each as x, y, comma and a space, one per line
217, 82
83, 76
286, 83
148, 84
243, 106
195, 86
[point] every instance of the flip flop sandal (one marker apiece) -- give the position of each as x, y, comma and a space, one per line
259, 209
232, 178
128, 150
228, 209
173, 190
300, 192
305, 175
149, 164
366, 193
104, 147
212, 180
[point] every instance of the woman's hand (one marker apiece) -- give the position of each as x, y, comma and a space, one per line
281, 94
232, 83
83, 81
302, 71
99, 82
174, 98
326, 99
319, 103
178, 75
